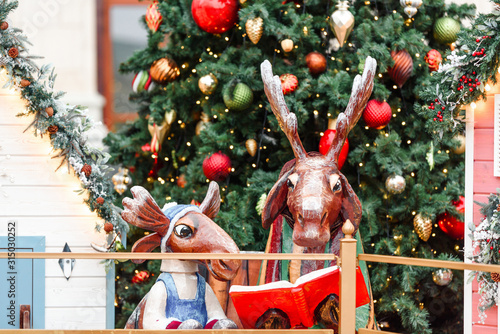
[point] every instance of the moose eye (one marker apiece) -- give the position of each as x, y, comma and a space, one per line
183, 231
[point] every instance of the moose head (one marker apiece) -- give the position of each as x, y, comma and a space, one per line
311, 193
182, 228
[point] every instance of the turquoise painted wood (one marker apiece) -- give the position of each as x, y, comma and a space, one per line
22, 281
110, 298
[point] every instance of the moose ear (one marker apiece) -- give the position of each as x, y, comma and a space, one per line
146, 245
276, 200
211, 204
142, 211
351, 206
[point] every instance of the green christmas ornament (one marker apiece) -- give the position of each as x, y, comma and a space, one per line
446, 30
239, 98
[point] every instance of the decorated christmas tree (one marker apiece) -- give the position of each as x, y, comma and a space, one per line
203, 115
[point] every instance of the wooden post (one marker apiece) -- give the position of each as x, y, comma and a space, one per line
347, 280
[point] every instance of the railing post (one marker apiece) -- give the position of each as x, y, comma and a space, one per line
347, 280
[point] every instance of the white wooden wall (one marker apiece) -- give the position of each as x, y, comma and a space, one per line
44, 204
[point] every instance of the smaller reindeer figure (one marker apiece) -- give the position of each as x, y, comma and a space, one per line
180, 298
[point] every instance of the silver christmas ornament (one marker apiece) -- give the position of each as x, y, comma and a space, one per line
411, 3
334, 45
410, 11
395, 184
342, 22
411, 6
442, 277
121, 180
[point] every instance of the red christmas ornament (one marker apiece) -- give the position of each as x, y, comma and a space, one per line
403, 67
217, 167
325, 143
181, 181
289, 83
153, 16
377, 114
140, 277
108, 227
452, 225
316, 62
433, 59
146, 147
215, 16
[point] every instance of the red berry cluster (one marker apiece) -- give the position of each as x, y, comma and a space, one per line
480, 53
468, 81
439, 116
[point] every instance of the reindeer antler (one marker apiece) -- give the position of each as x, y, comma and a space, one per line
142, 211
286, 119
361, 91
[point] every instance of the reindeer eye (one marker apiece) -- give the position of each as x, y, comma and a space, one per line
183, 231
289, 184
337, 186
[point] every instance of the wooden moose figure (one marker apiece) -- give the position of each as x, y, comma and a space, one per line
180, 298
312, 195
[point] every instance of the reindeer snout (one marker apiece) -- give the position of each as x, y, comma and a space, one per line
311, 229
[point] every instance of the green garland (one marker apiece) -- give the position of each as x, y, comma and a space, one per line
66, 125
486, 249
463, 78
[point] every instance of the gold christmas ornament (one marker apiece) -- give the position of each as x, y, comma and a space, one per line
202, 124
121, 180
442, 277
251, 145
461, 147
158, 131
287, 45
342, 22
255, 28
164, 70
332, 123
208, 84
423, 226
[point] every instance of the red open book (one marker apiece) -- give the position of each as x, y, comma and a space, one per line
297, 300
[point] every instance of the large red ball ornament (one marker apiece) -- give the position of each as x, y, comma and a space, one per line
217, 167
403, 67
377, 114
452, 225
326, 142
215, 16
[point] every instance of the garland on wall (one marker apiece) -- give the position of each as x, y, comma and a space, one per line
66, 125
486, 249
463, 78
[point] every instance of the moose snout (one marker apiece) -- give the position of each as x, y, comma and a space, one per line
225, 270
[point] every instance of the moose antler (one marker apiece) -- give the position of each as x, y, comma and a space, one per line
286, 119
361, 91
142, 211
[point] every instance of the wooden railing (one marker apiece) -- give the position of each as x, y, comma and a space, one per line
347, 263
